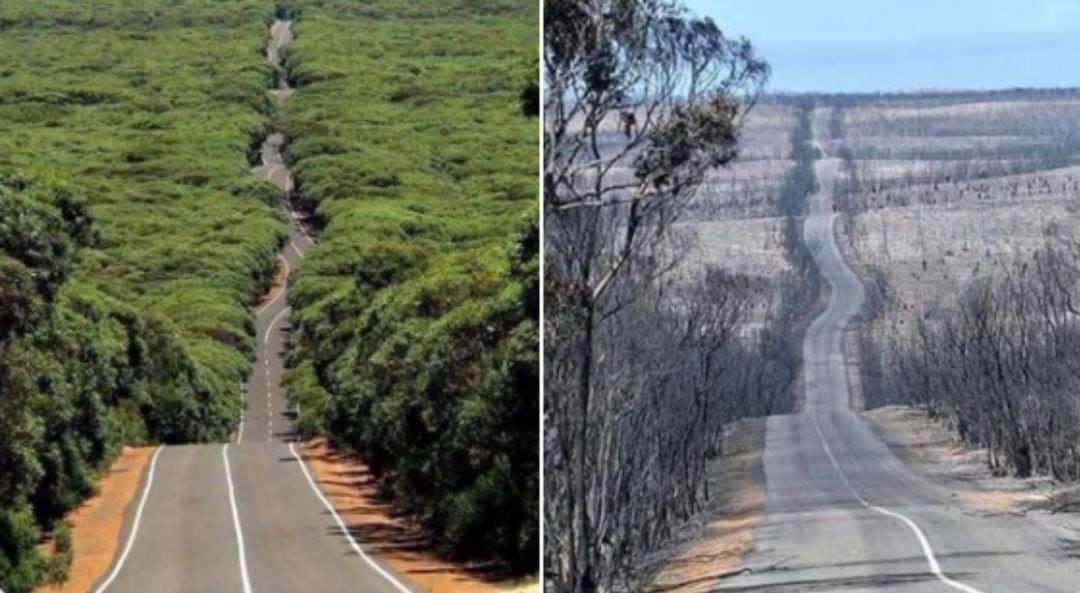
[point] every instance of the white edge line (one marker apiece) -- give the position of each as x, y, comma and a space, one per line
270, 328
280, 292
341, 524
134, 525
928, 551
236, 521
296, 248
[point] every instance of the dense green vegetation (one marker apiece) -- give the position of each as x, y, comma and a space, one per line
415, 323
132, 242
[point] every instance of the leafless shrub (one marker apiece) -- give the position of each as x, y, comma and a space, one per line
1001, 368
641, 100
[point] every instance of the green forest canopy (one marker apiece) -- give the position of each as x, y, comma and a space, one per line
134, 241
416, 315
126, 134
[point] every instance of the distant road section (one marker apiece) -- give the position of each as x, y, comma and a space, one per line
844, 514
246, 517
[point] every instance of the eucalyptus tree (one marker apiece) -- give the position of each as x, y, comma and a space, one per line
641, 99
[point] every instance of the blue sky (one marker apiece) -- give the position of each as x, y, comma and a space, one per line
871, 45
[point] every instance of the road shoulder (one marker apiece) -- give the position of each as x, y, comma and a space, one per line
931, 449
96, 525
718, 540
353, 491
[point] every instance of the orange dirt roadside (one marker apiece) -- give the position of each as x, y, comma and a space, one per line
351, 488
280, 277
97, 523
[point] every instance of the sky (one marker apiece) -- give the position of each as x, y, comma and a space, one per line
898, 45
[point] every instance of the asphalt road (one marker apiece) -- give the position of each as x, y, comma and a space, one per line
844, 514
245, 517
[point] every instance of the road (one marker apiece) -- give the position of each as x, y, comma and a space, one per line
844, 514
245, 517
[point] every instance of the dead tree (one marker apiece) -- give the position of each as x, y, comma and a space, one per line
1000, 366
609, 200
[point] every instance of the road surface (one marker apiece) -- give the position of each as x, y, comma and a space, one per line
844, 514
245, 517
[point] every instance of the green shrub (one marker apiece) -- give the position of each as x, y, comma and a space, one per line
60, 561
133, 242
21, 565
415, 317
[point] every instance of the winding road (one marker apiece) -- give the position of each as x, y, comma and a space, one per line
246, 517
844, 514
